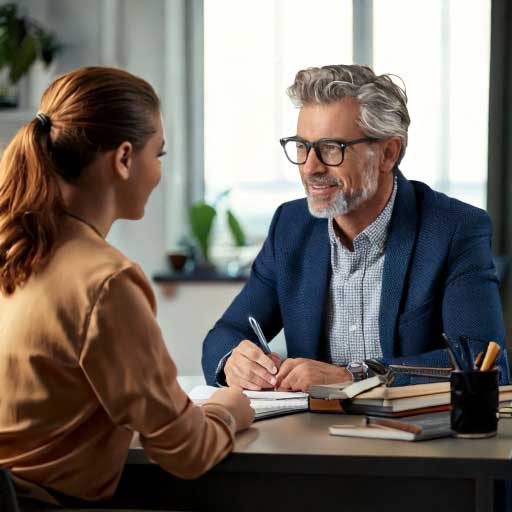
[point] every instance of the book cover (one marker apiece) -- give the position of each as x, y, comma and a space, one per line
345, 390
418, 428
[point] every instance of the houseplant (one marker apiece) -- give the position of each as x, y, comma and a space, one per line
22, 41
202, 216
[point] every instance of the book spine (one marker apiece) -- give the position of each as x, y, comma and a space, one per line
321, 405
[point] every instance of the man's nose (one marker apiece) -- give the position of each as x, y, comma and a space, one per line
313, 165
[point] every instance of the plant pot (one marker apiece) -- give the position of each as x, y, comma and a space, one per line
177, 260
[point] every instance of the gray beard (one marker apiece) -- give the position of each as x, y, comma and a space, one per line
344, 204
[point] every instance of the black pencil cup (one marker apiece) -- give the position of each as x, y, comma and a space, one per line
474, 399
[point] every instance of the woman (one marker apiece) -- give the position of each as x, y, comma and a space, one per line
82, 361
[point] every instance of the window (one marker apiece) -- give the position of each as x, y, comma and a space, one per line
248, 63
439, 48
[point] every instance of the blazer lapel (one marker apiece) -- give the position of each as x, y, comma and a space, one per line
318, 269
401, 238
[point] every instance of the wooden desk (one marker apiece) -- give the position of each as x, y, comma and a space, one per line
291, 463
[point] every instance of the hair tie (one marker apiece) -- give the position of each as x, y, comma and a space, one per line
44, 120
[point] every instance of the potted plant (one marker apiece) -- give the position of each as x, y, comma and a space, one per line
22, 42
202, 216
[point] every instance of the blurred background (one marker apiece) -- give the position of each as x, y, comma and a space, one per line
221, 68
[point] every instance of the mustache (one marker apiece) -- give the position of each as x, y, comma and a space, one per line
324, 181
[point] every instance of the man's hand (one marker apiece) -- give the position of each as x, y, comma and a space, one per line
300, 374
249, 368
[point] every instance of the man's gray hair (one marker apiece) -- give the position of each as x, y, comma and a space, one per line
383, 103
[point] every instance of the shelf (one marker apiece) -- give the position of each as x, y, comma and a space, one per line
198, 276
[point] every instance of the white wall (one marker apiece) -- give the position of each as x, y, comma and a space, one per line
132, 35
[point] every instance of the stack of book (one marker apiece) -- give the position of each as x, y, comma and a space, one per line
389, 401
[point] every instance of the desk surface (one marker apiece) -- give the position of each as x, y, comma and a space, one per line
301, 438
314, 469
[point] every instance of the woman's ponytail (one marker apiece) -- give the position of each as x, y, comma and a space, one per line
30, 203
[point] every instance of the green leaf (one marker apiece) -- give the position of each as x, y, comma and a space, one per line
22, 41
201, 221
23, 58
236, 229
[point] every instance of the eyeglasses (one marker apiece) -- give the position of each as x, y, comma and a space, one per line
330, 152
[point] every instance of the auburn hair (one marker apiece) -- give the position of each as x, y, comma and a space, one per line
87, 111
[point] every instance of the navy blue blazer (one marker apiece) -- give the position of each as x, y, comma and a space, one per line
438, 277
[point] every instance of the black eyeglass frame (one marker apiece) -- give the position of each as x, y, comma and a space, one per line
309, 145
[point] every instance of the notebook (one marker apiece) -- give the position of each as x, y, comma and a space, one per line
417, 428
266, 404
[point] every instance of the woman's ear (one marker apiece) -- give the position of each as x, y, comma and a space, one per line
123, 159
390, 153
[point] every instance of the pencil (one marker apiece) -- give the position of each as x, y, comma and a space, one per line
493, 350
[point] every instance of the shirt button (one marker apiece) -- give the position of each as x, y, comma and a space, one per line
352, 328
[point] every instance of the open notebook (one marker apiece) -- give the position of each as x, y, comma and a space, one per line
265, 403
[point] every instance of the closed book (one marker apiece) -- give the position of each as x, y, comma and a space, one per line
345, 407
399, 401
417, 428
345, 390
402, 404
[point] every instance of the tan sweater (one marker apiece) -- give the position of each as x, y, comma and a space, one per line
83, 365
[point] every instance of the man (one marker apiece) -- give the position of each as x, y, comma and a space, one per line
379, 267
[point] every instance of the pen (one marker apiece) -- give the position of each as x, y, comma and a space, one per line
454, 352
259, 333
452, 359
466, 353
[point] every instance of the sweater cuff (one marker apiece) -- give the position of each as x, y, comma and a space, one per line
223, 416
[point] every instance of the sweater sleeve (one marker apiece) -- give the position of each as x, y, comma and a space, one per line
126, 362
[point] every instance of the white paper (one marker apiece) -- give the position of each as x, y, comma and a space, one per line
290, 403
274, 395
205, 392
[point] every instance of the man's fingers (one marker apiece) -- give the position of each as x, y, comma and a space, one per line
254, 353
257, 375
297, 380
285, 384
286, 367
278, 360
285, 376
246, 384
249, 371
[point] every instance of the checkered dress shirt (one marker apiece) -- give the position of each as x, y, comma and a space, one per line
353, 303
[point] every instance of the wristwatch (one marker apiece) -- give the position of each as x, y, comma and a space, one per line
358, 370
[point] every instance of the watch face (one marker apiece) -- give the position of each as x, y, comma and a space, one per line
358, 369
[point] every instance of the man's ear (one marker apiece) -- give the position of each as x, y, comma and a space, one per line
390, 152
123, 159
